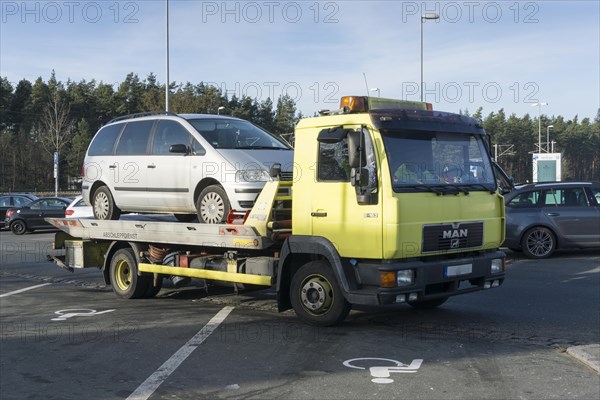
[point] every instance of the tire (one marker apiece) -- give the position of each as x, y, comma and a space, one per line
316, 295
152, 289
104, 205
428, 304
18, 227
538, 243
124, 278
213, 205
185, 217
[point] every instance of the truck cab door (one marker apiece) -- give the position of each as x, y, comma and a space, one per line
346, 212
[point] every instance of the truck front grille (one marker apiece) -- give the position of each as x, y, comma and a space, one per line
450, 237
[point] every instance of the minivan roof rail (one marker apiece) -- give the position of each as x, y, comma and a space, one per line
141, 114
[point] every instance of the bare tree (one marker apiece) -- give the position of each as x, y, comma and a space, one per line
55, 126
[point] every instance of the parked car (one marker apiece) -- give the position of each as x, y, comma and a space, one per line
31, 217
13, 200
184, 164
78, 209
543, 217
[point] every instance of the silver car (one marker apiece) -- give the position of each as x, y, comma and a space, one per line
188, 165
545, 216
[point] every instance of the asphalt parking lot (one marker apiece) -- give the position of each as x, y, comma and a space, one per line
66, 336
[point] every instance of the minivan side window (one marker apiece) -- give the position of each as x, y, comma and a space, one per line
104, 141
134, 140
167, 134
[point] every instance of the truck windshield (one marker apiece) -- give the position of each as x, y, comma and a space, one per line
438, 162
236, 134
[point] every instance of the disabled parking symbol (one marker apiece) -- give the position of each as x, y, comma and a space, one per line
381, 374
77, 312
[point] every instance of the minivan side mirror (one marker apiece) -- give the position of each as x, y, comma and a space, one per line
179, 149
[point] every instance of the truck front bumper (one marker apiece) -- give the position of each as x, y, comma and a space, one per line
435, 279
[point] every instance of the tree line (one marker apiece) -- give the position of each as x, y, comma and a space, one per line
38, 118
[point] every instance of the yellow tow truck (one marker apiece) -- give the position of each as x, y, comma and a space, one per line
391, 202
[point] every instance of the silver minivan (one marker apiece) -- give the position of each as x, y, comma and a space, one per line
188, 165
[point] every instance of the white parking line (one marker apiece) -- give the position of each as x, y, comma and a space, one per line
148, 387
24, 290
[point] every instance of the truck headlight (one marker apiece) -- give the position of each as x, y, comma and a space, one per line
497, 265
405, 277
252, 175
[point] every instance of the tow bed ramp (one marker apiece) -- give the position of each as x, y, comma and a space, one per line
160, 232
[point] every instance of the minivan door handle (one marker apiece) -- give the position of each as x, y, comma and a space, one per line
151, 166
112, 166
553, 214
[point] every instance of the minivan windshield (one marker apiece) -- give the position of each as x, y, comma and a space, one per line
236, 134
437, 161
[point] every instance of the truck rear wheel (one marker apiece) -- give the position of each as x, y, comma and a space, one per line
316, 295
126, 283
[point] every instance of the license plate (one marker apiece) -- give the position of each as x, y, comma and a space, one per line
456, 270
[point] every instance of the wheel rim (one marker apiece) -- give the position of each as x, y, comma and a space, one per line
101, 203
123, 275
212, 208
540, 243
18, 227
316, 294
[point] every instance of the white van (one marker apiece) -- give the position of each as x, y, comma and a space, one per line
187, 165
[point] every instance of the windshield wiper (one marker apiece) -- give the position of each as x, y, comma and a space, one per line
478, 185
427, 188
261, 148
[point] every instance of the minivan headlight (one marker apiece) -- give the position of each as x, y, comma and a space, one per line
252, 175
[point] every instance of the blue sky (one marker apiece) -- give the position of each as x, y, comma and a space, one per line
502, 54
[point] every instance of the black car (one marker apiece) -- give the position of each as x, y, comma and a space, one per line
13, 200
542, 217
31, 216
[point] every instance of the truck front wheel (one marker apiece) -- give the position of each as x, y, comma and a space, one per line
316, 295
126, 283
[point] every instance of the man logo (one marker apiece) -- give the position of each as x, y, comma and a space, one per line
455, 234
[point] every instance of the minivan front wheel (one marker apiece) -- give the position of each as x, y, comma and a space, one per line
213, 205
104, 205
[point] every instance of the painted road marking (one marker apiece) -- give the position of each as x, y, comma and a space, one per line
149, 386
381, 374
77, 312
24, 290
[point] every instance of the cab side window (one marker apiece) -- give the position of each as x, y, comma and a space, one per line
167, 134
134, 140
333, 162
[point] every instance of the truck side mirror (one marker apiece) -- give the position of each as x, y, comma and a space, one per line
359, 177
357, 156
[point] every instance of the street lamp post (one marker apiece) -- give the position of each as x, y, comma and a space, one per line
219, 110
167, 106
548, 138
539, 106
376, 90
423, 18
